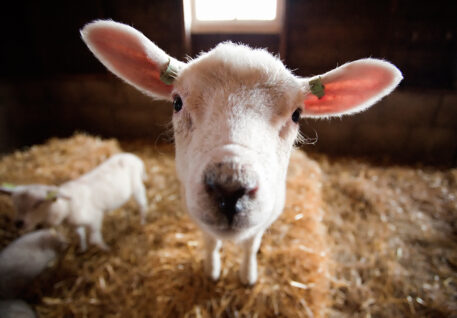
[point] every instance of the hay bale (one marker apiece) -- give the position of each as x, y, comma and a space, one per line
156, 270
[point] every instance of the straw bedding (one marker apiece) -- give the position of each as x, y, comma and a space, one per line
390, 233
156, 270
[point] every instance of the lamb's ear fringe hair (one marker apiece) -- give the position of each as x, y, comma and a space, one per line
305, 140
166, 136
188, 58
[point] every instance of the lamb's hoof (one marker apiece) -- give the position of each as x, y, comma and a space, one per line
248, 278
104, 247
213, 272
82, 247
213, 277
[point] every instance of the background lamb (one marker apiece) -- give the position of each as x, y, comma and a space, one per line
15, 308
235, 121
22, 261
83, 202
25, 258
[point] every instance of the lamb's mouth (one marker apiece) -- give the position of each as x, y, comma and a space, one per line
223, 227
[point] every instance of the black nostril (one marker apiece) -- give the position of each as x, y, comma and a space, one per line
227, 198
19, 224
230, 186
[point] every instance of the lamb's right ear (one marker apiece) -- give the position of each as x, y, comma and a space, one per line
134, 58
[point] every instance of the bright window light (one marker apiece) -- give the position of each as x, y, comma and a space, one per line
228, 10
233, 16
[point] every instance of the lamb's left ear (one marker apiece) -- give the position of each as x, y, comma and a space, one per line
350, 88
133, 57
53, 195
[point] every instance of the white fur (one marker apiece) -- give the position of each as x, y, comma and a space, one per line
235, 130
83, 202
25, 258
15, 308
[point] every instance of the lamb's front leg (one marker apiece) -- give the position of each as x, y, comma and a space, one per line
139, 193
81, 231
212, 262
96, 238
95, 228
248, 269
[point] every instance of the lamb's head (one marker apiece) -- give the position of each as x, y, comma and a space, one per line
31, 203
234, 131
236, 113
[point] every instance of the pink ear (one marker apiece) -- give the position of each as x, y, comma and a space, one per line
352, 88
130, 55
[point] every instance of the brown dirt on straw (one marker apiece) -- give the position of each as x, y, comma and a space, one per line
156, 270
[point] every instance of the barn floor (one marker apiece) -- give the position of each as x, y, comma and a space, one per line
390, 232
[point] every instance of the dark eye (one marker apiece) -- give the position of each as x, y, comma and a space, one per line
296, 115
177, 103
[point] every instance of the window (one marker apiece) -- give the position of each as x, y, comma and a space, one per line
233, 16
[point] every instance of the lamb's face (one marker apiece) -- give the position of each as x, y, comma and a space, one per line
235, 124
31, 203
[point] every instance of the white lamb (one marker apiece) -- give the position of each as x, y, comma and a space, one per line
20, 263
236, 114
15, 308
83, 202
25, 258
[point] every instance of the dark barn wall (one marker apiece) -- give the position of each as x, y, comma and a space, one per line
419, 36
418, 122
51, 85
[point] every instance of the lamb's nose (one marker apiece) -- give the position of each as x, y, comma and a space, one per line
228, 191
227, 198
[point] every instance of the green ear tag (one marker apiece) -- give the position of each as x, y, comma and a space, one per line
317, 88
9, 186
51, 195
169, 75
